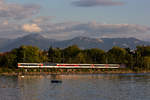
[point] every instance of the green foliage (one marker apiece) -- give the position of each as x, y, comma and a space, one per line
143, 50
69, 55
142, 55
138, 59
147, 62
28, 54
97, 55
8, 60
80, 58
71, 51
54, 55
117, 55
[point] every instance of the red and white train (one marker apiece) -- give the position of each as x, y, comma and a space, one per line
62, 65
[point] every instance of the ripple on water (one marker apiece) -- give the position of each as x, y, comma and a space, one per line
76, 87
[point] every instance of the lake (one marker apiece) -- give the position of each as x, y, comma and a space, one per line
76, 87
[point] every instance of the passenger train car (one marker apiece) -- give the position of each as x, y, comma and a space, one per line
62, 65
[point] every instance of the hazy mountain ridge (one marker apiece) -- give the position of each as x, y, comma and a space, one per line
82, 42
33, 39
4, 41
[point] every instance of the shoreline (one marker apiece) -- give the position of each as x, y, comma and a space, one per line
74, 73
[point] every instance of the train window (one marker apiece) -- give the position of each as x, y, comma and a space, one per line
28, 64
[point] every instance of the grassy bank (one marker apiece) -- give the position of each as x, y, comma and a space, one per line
6, 71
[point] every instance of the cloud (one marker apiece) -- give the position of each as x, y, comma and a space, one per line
10, 30
14, 15
17, 11
93, 29
111, 28
31, 28
41, 24
68, 30
42, 19
5, 22
91, 3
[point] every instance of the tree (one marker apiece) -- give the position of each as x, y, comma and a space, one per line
8, 60
28, 54
117, 55
69, 53
130, 58
146, 62
43, 56
54, 55
80, 58
142, 55
144, 50
97, 55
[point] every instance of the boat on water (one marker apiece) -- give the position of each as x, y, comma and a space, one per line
56, 81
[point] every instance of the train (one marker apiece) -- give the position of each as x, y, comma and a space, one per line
63, 65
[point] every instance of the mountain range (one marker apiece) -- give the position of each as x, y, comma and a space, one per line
82, 42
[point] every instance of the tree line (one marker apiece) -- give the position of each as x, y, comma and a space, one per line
133, 59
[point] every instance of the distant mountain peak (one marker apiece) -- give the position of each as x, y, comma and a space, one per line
34, 36
99, 40
83, 38
82, 42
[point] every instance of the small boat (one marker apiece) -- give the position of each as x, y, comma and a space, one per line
56, 81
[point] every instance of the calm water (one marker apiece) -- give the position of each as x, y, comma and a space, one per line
76, 87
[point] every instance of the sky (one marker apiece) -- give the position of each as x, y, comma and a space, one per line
64, 19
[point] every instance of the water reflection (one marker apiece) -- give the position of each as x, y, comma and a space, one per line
76, 87
9, 89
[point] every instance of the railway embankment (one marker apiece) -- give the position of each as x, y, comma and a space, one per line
15, 72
